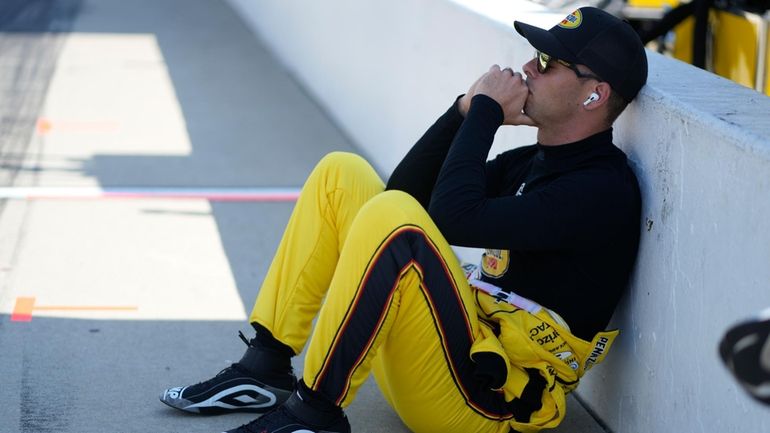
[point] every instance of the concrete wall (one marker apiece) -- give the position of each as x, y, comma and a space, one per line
699, 144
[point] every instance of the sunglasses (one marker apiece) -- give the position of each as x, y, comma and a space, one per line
543, 60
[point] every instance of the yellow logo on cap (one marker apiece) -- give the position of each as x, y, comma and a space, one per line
572, 21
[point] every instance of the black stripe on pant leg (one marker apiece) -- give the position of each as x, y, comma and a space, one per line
405, 247
364, 316
453, 326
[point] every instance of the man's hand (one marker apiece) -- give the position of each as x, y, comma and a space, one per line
464, 103
507, 88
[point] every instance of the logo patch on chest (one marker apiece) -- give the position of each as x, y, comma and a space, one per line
494, 263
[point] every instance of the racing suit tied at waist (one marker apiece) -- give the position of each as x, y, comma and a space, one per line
528, 336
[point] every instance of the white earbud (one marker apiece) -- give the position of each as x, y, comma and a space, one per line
594, 97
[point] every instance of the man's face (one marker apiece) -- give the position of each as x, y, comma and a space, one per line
555, 95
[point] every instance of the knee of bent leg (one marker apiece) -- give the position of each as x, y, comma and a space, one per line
348, 172
343, 162
395, 208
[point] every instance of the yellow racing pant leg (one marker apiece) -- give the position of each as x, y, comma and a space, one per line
398, 295
304, 263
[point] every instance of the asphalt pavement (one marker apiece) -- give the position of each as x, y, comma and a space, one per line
106, 300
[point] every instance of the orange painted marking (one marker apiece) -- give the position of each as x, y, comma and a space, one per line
83, 308
46, 126
43, 126
22, 311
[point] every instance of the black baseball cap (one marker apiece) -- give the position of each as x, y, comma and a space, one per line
592, 37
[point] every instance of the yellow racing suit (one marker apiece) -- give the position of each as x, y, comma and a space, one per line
391, 298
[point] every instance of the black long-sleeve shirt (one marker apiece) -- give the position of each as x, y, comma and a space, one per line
560, 224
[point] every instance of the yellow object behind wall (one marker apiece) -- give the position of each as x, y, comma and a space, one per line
683, 40
735, 48
653, 3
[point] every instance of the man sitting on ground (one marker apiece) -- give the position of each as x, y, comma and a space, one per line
492, 348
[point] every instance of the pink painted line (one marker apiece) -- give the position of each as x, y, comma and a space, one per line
95, 193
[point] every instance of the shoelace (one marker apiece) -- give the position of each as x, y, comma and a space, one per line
233, 367
249, 344
224, 371
243, 337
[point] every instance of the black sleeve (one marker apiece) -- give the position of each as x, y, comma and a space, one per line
416, 174
495, 176
566, 212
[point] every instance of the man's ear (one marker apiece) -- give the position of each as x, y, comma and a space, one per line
598, 97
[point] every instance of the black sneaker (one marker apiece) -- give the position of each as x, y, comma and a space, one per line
745, 349
232, 390
257, 383
296, 416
